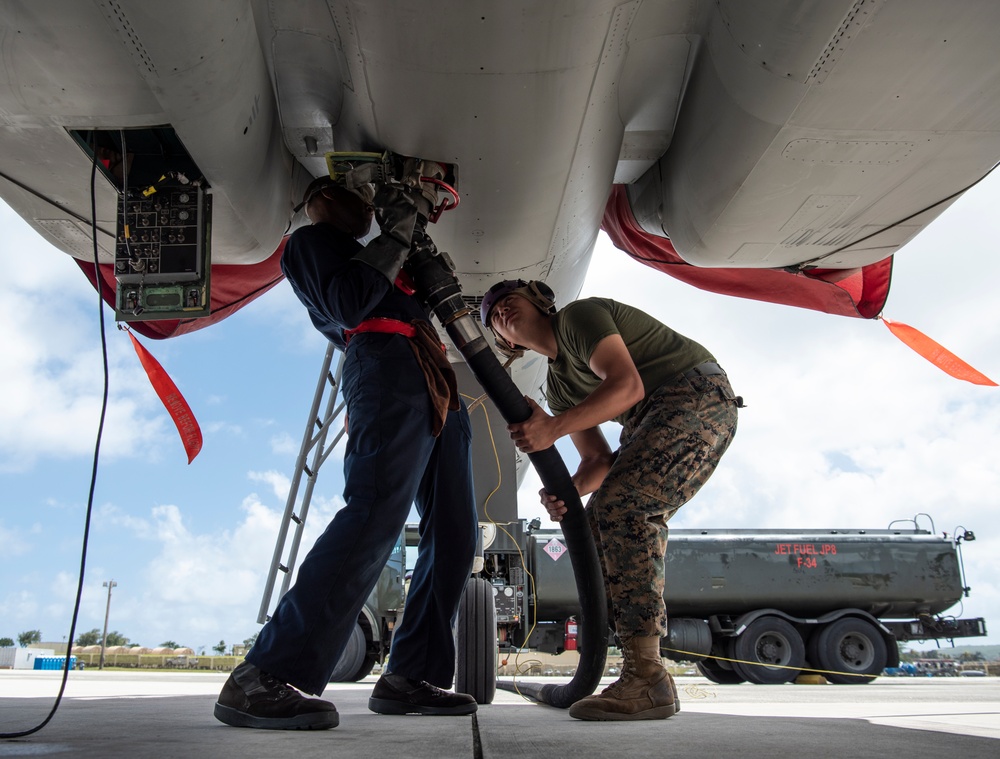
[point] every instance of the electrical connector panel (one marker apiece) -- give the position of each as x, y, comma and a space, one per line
162, 254
164, 222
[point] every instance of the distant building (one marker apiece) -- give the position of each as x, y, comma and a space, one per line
15, 657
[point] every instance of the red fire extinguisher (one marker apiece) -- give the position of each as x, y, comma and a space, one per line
571, 634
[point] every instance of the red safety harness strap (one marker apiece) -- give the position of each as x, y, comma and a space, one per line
386, 325
382, 324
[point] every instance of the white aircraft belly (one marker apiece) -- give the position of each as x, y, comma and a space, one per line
824, 132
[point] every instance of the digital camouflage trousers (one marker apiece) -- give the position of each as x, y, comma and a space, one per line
668, 451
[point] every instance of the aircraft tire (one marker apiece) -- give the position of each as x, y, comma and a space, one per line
476, 666
352, 659
364, 670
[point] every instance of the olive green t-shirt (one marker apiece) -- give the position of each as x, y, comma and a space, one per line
660, 354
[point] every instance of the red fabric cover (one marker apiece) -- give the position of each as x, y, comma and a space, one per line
845, 292
232, 287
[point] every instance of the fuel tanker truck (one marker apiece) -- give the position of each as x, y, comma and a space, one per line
746, 605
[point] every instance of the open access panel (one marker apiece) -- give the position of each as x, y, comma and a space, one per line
164, 222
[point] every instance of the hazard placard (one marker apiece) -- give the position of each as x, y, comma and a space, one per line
555, 548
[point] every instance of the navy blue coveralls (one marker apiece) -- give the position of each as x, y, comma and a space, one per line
392, 460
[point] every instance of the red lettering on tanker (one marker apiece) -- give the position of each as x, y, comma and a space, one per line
805, 553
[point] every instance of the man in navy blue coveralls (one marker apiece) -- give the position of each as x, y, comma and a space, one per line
392, 459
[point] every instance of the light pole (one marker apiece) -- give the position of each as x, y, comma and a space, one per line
107, 612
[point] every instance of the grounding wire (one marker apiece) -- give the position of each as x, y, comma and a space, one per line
93, 474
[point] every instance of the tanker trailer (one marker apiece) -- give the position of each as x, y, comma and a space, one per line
758, 605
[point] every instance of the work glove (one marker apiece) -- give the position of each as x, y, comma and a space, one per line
396, 213
397, 216
385, 254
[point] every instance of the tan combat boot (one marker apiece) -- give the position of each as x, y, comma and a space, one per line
644, 691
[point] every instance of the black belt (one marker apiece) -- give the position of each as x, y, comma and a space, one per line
706, 369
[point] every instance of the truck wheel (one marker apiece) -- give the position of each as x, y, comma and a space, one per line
353, 657
770, 651
852, 650
476, 670
719, 673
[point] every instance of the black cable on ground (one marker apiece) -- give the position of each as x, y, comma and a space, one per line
93, 474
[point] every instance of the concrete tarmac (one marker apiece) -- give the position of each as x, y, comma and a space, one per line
106, 715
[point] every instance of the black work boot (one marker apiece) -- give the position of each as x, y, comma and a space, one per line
395, 694
251, 698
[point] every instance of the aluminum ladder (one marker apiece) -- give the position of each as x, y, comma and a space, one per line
314, 440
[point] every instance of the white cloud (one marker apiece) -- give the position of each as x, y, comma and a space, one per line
52, 366
278, 481
283, 444
111, 516
62, 592
18, 604
280, 306
195, 587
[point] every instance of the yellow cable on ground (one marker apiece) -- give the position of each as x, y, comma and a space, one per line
486, 512
769, 666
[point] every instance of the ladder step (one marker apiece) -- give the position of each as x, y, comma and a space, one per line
317, 428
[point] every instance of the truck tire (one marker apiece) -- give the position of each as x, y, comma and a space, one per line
719, 673
852, 650
352, 659
770, 651
476, 669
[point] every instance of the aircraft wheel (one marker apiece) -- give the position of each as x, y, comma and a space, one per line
853, 650
771, 651
719, 672
365, 669
476, 670
352, 659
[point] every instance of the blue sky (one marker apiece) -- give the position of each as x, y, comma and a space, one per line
845, 427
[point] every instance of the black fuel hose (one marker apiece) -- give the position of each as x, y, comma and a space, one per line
437, 285
593, 620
